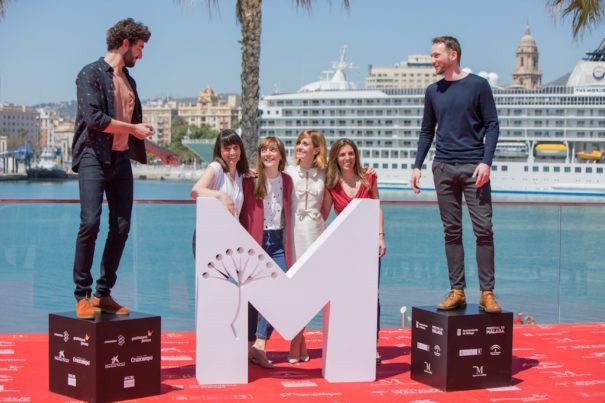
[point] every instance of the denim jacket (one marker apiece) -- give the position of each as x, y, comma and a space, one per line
96, 109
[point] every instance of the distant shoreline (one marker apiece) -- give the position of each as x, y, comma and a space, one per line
13, 177
181, 173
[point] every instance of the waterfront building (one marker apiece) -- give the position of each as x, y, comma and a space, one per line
20, 124
416, 72
63, 135
56, 133
160, 114
527, 74
213, 110
45, 118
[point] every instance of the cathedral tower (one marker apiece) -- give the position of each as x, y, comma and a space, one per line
526, 73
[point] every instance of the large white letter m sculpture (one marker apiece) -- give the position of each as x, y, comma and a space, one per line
339, 272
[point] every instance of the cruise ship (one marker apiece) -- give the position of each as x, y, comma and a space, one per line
551, 138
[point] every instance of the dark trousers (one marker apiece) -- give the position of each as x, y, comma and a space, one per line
451, 182
116, 181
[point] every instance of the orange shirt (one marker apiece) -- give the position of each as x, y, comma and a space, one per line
123, 107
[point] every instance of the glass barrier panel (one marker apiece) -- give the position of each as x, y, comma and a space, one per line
548, 262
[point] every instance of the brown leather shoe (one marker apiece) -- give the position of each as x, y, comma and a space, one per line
108, 305
455, 299
488, 302
84, 309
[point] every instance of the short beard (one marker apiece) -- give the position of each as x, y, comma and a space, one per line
129, 61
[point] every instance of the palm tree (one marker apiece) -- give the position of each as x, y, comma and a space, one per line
249, 14
249, 17
585, 14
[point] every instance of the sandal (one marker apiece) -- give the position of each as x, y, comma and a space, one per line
259, 357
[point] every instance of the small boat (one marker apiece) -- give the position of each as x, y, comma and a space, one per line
553, 150
47, 167
511, 150
595, 155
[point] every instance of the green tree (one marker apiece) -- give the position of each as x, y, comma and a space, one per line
584, 14
181, 130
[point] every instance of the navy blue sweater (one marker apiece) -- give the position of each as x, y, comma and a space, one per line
465, 113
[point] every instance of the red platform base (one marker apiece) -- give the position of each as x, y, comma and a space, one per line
562, 363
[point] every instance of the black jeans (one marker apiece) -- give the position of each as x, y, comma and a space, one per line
116, 181
451, 182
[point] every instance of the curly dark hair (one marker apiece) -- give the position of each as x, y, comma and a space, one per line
126, 29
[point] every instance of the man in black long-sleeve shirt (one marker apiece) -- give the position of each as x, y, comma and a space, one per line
462, 107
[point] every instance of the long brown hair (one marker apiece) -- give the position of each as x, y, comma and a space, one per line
260, 185
227, 137
318, 140
334, 175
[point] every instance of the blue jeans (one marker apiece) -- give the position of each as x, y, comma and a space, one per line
274, 246
116, 181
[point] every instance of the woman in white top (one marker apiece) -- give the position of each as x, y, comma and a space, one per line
308, 177
223, 176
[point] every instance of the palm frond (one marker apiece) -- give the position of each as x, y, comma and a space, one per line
584, 14
2, 5
189, 3
306, 4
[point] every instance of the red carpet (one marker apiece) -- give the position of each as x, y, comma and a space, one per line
563, 363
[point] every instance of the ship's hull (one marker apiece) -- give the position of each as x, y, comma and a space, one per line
519, 177
45, 174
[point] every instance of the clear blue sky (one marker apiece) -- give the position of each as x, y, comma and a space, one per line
43, 44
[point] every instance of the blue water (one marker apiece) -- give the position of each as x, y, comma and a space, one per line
548, 258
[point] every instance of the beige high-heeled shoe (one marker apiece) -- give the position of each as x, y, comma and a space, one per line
304, 355
298, 349
294, 354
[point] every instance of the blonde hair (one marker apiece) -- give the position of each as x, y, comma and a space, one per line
318, 140
260, 185
334, 175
